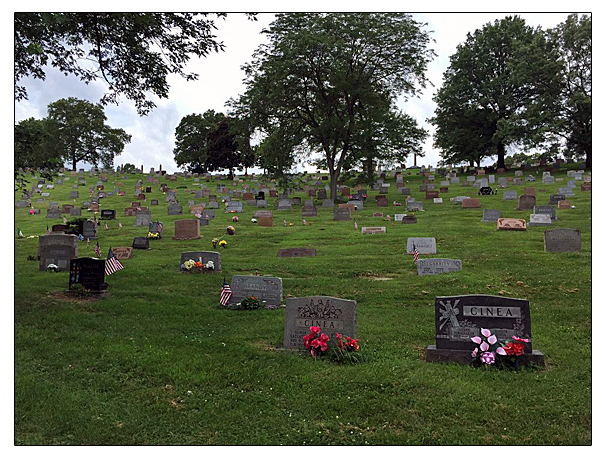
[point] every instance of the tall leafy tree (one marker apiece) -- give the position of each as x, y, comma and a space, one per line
495, 77
132, 52
36, 148
192, 140
569, 118
321, 75
81, 133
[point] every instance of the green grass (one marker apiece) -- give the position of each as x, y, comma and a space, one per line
159, 362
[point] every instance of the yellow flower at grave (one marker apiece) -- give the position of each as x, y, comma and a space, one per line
222, 243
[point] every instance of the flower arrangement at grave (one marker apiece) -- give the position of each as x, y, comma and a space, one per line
253, 220
153, 235
197, 266
235, 219
248, 303
491, 352
222, 244
230, 230
215, 242
52, 268
346, 349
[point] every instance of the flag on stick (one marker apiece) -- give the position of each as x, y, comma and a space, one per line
225, 293
105, 226
355, 225
19, 233
87, 242
112, 264
98, 249
47, 230
119, 224
415, 253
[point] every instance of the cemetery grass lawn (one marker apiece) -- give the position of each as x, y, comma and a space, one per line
158, 361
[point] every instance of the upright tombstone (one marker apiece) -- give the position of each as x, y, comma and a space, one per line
284, 204
459, 318
141, 243
235, 206
330, 314
108, 214
510, 195
491, 216
53, 213
555, 198
57, 249
470, 203
187, 229
205, 256
423, 245
89, 229
175, 209
562, 240
122, 252
342, 214
309, 211
142, 219
526, 202
545, 210
264, 288
75, 211
539, 220
88, 272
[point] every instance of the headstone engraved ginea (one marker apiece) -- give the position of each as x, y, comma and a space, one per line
562, 240
264, 288
434, 266
330, 314
296, 252
187, 229
491, 215
205, 256
423, 245
141, 243
459, 318
88, 272
57, 249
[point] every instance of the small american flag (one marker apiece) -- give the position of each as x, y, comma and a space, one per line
47, 230
225, 293
112, 264
356, 225
415, 253
105, 226
119, 224
64, 220
304, 222
87, 242
98, 249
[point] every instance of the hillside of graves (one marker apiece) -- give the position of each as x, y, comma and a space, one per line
148, 354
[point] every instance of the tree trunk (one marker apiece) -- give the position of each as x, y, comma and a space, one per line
369, 170
333, 183
74, 163
588, 159
500, 155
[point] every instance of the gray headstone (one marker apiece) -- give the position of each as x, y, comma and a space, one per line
510, 195
235, 206
76, 211
545, 210
491, 215
175, 209
328, 203
330, 314
53, 213
539, 220
57, 249
459, 318
562, 240
424, 245
142, 219
434, 266
268, 289
341, 214
205, 256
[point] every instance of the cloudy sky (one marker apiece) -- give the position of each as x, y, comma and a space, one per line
220, 79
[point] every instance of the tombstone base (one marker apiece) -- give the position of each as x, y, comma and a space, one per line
439, 355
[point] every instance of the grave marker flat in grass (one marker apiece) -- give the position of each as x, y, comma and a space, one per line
296, 252
434, 266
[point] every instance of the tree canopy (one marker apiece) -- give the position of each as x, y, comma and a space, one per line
497, 83
132, 52
324, 77
36, 148
80, 132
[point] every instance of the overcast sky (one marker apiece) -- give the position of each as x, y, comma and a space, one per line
220, 79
